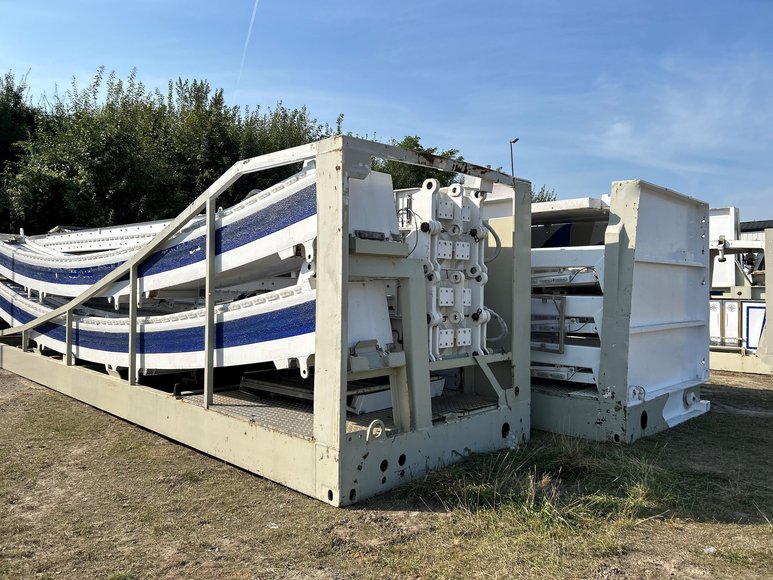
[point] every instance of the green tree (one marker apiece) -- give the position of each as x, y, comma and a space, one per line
17, 125
273, 130
17, 117
544, 194
99, 158
113, 152
404, 175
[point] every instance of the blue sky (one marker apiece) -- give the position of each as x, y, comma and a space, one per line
679, 93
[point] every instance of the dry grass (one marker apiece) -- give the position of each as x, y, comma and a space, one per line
83, 494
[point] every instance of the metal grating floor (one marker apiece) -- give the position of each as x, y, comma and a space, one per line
454, 403
296, 417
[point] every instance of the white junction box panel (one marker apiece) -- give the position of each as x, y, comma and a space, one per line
444, 228
620, 312
715, 322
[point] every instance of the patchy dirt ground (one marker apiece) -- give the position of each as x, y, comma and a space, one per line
83, 494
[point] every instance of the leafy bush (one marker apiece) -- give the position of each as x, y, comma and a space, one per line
114, 152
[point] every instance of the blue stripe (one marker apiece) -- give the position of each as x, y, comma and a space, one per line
285, 323
279, 215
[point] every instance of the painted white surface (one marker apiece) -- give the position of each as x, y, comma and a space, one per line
724, 221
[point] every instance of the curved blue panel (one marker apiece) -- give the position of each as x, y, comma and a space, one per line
279, 215
283, 323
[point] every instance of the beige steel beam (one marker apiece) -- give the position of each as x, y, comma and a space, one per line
209, 304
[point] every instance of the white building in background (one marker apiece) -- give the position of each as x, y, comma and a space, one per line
740, 340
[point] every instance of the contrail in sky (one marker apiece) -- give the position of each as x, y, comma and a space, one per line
247, 42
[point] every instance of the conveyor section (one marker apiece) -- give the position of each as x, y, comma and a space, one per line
83, 240
273, 327
329, 332
254, 237
619, 310
265, 257
266, 264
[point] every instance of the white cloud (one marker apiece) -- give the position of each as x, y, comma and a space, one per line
708, 113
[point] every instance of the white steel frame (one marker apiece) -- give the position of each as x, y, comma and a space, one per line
646, 373
331, 464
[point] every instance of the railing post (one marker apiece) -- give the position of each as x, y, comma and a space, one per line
132, 352
209, 305
68, 358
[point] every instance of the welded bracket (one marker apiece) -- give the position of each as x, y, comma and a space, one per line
489, 374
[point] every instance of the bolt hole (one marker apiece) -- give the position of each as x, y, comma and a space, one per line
329, 495
402, 473
617, 438
401, 460
643, 420
383, 480
352, 495
505, 430
384, 465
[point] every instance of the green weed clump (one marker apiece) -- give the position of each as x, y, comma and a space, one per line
562, 482
552, 506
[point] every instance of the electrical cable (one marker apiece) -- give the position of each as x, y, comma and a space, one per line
502, 325
580, 271
415, 224
488, 259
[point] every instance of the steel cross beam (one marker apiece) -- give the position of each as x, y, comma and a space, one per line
427, 159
